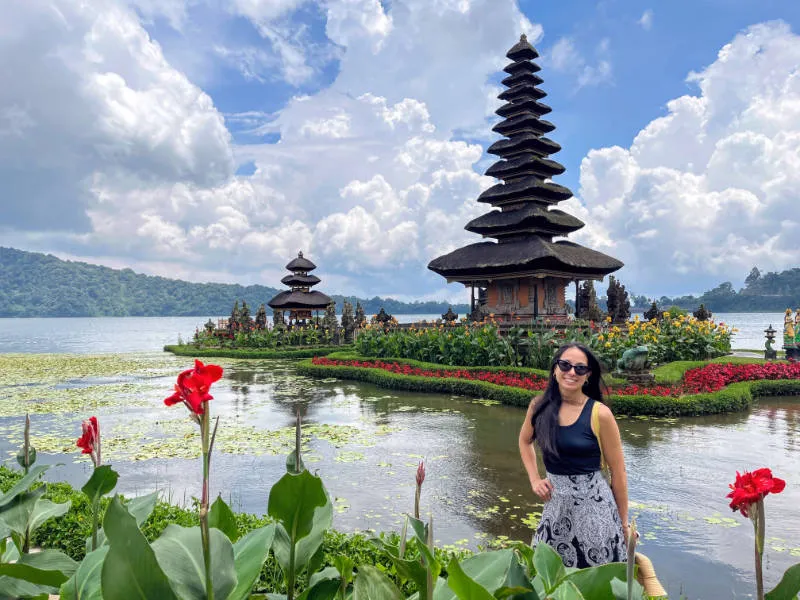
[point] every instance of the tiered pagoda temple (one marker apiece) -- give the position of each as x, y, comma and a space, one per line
300, 301
524, 273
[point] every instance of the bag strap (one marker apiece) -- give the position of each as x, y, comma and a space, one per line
596, 431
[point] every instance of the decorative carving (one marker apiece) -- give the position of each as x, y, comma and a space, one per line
769, 352
450, 317
619, 306
702, 313
261, 317
653, 312
361, 318
348, 321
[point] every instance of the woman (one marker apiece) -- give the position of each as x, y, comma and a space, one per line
583, 520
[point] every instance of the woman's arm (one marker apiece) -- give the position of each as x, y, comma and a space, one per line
541, 487
612, 450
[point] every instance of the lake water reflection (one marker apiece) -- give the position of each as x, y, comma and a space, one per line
366, 442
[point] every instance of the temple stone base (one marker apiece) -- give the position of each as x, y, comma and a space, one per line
638, 378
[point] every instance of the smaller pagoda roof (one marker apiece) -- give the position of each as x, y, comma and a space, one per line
529, 217
522, 66
301, 264
522, 50
530, 189
524, 105
523, 90
522, 77
301, 280
289, 300
530, 256
524, 123
525, 165
524, 142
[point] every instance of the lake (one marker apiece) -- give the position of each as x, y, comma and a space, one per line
143, 334
366, 443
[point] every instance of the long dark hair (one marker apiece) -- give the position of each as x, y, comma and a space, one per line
545, 417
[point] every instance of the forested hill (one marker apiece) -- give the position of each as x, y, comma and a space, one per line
762, 292
41, 285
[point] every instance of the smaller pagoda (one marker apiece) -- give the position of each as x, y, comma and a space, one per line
300, 302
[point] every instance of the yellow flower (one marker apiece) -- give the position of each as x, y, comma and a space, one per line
608, 319
608, 345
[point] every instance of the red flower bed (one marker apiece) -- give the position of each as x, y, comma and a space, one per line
710, 378
500, 378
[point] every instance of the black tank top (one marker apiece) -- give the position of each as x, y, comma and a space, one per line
578, 449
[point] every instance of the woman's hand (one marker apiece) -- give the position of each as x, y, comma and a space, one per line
542, 488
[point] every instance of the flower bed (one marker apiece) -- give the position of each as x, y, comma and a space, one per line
713, 388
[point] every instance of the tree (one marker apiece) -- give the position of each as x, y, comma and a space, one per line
754, 276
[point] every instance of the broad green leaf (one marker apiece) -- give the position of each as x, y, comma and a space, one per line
344, 565
372, 584
494, 571
13, 589
249, 555
31, 456
45, 509
595, 582
222, 517
23, 484
48, 568
324, 575
549, 566
420, 529
293, 501
325, 589
102, 481
17, 513
179, 552
85, 582
789, 586
292, 466
567, 591
130, 570
411, 570
140, 508
465, 587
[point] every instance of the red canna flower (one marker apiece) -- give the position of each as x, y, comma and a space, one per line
193, 385
749, 488
420, 473
89, 442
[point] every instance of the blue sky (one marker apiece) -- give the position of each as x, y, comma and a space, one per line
213, 139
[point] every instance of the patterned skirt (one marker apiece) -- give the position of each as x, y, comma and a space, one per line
581, 521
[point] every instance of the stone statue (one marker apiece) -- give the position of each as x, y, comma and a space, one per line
788, 329
450, 317
634, 360
634, 366
797, 327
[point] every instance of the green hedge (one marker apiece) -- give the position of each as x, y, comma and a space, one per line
735, 397
306, 352
69, 533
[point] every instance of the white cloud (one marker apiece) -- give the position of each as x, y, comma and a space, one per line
708, 190
90, 97
564, 56
646, 20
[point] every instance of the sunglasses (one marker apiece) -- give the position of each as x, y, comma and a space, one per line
565, 367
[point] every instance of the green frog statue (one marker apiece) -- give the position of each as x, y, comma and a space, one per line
634, 365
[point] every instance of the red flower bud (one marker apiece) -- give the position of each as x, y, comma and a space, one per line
89, 442
420, 473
